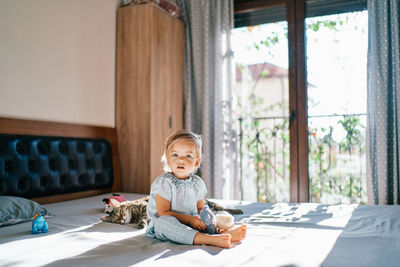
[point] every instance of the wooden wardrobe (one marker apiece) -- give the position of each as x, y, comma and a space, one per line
149, 94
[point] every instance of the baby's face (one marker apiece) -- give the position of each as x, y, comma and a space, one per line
183, 158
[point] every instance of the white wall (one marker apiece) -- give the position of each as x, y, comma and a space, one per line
57, 60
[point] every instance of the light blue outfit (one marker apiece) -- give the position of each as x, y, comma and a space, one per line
183, 195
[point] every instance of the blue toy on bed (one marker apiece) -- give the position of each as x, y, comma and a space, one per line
208, 217
39, 224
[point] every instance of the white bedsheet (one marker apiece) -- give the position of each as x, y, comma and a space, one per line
278, 235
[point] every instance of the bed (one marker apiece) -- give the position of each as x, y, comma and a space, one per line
279, 234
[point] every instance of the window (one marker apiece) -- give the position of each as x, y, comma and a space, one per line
284, 145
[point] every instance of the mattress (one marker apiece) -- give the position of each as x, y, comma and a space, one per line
278, 234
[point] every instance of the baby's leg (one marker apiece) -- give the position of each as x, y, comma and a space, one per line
168, 228
238, 234
220, 240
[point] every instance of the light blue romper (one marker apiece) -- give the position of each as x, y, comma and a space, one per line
183, 195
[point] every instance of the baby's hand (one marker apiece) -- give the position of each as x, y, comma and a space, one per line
197, 224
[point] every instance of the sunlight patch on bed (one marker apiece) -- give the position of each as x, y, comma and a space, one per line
303, 215
283, 227
78, 241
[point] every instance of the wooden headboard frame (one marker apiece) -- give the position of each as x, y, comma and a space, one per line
33, 127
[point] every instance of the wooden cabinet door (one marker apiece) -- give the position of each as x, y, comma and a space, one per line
167, 83
150, 56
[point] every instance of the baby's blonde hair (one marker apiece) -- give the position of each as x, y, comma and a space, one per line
179, 135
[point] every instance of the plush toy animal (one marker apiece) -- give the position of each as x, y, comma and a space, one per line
224, 221
208, 217
107, 205
216, 223
39, 224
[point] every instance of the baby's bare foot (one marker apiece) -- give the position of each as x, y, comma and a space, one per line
222, 241
239, 233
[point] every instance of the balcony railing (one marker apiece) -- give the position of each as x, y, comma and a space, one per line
336, 158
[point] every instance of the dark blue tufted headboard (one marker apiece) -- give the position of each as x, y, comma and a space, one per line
34, 166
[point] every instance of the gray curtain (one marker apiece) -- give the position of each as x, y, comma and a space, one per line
383, 144
208, 90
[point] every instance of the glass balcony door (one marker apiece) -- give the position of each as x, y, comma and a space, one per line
300, 66
336, 89
262, 91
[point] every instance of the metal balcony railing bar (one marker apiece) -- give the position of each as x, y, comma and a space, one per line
261, 143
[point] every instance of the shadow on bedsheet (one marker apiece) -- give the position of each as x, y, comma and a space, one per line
370, 238
285, 215
129, 251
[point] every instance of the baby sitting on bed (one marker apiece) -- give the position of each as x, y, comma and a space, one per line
176, 197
